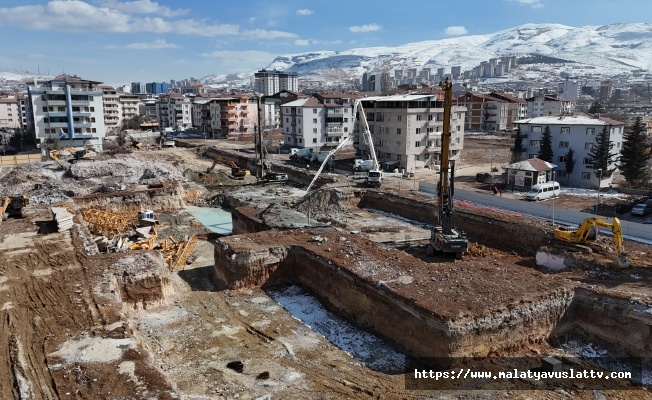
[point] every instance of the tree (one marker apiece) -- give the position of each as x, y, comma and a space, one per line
519, 149
121, 138
546, 145
596, 108
601, 156
132, 123
635, 153
570, 162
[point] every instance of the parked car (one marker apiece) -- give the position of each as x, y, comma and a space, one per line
642, 209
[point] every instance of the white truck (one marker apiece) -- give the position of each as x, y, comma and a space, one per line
362, 165
303, 154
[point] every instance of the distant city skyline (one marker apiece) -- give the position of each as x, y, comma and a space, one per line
119, 42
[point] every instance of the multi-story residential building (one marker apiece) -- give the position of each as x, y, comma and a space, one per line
232, 114
484, 112
606, 90
129, 106
206, 115
272, 110
407, 129
69, 109
10, 113
516, 108
548, 104
320, 122
271, 82
577, 132
174, 111
111, 109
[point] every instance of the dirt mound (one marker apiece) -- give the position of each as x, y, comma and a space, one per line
128, 169
327, 202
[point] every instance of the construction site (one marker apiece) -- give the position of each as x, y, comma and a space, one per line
181, 273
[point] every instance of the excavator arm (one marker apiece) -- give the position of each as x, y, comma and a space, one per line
54, 155
586, 233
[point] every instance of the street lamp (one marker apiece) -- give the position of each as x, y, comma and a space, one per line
597, 206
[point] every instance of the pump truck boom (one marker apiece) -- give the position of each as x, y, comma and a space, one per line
444, 237
375, 175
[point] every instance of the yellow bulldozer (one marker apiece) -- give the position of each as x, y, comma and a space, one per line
584, 236
12, 206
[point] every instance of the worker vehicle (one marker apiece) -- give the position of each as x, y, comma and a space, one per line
12, 206
78, 155
237, 172
587, 233
375, 174
642, 209
303, 154
543, 191
276, 177
323, 164
444, 237
216, 161
147, 218
362, 165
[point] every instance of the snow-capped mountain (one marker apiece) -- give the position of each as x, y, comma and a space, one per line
608, 50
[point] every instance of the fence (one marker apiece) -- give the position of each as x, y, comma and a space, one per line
544, 210
20, 159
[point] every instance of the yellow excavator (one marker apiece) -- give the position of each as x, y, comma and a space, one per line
236, 172
587, 233
78, 155
13, 206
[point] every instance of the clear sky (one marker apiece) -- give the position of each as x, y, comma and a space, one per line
118, 42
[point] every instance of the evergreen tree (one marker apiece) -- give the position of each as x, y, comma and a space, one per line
601, 155
519, 149
121, 138
635, 153
570, 162
546, 145
596, 108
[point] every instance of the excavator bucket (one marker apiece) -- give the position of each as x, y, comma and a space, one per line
622, 261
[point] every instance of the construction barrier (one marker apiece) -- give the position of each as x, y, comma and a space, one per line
19, 159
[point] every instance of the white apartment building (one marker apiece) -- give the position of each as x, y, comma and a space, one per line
320, 122
407, 130
271, 82
10, 114
111, 109
206, 115
69, 109
173, 111
548, 104
129, 106
577, 132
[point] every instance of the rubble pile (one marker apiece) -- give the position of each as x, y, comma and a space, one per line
128, 170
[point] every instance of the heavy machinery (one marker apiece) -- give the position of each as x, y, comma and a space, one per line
587, 233
323, 164
12, 206
444, 237
374, 174
236, 172
78, 155
135, 143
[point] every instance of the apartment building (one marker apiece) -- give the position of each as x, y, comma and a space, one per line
69, 109
577, 132
233, 114
516, 108
111, 109
10, 113
271, 82
173, 111
319, 122
484, 113
407, 129
129, 106
548, 104
206, 115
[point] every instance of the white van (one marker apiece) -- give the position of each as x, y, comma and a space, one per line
544, 191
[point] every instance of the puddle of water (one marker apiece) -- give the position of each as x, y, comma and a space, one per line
215, 219
368, 348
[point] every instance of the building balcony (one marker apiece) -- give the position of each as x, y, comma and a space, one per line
58, 124
335, 111
334, 133
83, 125
55, 102
433, 123
490, 106
433, 135
233, 119
433, 149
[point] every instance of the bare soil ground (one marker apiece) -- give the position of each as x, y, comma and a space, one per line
66, 333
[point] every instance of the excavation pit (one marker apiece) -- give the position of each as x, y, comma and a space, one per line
427, 309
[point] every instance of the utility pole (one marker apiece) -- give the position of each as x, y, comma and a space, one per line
260, 140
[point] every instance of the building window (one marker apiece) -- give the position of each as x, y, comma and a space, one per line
586, 161
457, 140
590, 131
563, 145
561, 174
314, 111
314, 140
565, 130
398, 157
398, 131
418, 131
314, 120
588, 146
536, 129
399, 118
562, 159
314, 130
535, 143
430, 130
586, 175
416, 157
417, 144
533, 155
431, 117
418, 117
